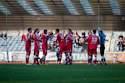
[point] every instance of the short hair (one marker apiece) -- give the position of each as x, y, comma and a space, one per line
29, 29
45, 30
94, 31
70, 30
89, 33
35, 30
101, 32
57, 30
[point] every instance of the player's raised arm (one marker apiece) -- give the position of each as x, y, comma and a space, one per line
71, 37
99, 31
102, 45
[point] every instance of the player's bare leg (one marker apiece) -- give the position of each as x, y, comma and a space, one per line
42, 60
36, 59
71, 58
57, 54
95, 59
89, 63
60, 57
66, 54
37, 62
27, 59
88, 59
91, 59
103, 59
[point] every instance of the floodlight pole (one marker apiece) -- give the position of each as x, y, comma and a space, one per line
6, 30
98, 13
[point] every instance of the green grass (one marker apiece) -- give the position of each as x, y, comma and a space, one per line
77, 73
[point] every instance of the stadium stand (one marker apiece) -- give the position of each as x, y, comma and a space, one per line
16, 45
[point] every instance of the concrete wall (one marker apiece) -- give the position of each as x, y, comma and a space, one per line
107, 22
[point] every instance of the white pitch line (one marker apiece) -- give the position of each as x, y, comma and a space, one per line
60, 69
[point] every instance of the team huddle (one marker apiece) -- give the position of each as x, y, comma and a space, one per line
65, 46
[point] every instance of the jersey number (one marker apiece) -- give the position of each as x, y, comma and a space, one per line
94, 39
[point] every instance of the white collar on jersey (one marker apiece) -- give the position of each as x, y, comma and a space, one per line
29, 32
44, 34
36, 33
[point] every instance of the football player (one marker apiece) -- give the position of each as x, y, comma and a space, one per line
94, 41
62, 44
37, 39
69, 41
28, 45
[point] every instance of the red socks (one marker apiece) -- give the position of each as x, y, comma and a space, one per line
89, 59
60, 57
43, 60
27, 59
68, 57
35, 60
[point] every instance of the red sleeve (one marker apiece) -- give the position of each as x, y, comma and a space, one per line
43, 36
89, 39
35, 38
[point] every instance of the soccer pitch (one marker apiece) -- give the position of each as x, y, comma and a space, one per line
77, 73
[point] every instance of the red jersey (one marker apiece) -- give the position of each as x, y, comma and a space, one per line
36, 38
88, 41
94, 41
69, 41
27, 38
44, 39
23, 37
60, 39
